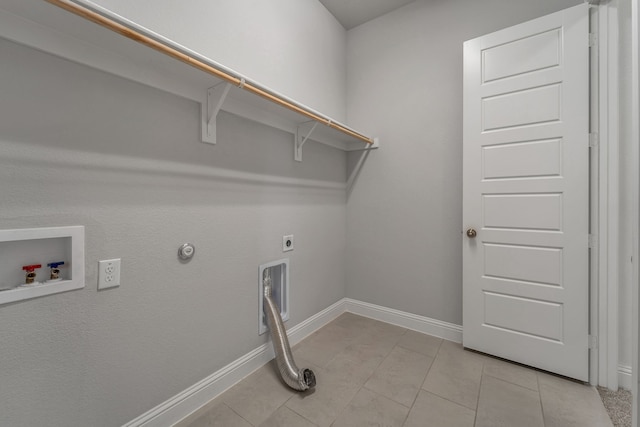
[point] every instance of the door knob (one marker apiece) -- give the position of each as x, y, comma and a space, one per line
471, 233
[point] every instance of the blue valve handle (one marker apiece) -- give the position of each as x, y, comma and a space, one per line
55, 264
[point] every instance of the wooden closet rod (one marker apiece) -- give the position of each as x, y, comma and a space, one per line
199, 64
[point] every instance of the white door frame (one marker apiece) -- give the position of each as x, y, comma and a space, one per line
604, 196
635, 200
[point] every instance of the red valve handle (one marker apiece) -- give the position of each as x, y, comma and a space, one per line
30, 268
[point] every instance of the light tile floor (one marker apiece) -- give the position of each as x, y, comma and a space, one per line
371, 373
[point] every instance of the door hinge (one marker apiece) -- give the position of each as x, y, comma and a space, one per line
593, 39
593, 342
593, 240
594, 139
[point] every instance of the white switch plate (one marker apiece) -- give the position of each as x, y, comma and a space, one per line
108, 273
287, 243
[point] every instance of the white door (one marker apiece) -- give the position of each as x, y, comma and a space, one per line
526, 193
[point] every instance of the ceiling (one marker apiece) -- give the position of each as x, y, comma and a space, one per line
351, 13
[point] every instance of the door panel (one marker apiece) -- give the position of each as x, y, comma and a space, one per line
532, 53
522, 159
524, 263
505, 312
524, 211
525, 163
521, 108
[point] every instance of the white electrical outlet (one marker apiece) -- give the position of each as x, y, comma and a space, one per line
109, 273
287, 243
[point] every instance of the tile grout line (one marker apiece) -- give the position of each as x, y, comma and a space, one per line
346, 406
284, 405
296, 412
234, 411
475, 411
426, 374
363, 386
381, 362
406, 417
544, 419
421, 384
540, 399
475, 418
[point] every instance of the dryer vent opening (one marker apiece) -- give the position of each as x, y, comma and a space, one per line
297, 379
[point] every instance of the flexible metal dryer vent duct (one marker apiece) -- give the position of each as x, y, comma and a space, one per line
297, 379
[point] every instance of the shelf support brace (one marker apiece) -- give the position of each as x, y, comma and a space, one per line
210, 109
300, 140
366, 147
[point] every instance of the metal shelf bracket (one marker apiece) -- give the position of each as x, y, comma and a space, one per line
300, 139
304, 131
366, 147
210, 109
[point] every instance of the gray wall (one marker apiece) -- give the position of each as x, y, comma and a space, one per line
287, 45
80, 147
404, 211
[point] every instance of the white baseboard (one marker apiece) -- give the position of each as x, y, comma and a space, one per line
437, 328
199, 394
624, 377
190, 400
